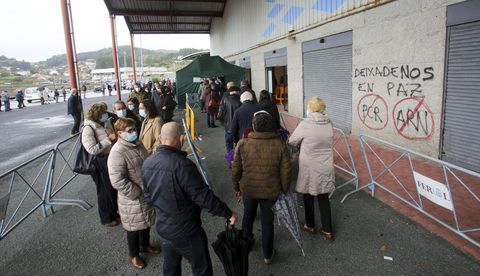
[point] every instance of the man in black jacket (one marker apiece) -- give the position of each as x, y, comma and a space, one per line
74, 108
242, 119
230, 103
174, 187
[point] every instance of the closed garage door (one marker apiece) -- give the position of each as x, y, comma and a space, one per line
461, 139
327, 73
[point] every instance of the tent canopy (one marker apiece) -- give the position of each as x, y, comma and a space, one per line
205, 67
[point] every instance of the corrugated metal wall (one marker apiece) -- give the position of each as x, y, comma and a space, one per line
247, 23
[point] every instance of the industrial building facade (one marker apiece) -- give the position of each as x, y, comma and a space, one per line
407, 71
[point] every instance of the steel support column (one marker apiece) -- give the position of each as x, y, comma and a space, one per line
69, 36
132, 46
115, 56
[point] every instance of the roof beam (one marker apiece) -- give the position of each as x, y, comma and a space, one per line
169, 32
120, 12
166, 23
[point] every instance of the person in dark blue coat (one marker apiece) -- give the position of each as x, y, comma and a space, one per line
174, 187
74, 108
242, 118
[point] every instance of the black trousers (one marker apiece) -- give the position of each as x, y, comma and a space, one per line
193, 248
76, 123
323, 206
137, 239
266, 218
106, 194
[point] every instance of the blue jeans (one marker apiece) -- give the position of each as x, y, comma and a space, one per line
266, 218
193, 248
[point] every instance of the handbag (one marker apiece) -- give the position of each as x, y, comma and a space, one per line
84, 162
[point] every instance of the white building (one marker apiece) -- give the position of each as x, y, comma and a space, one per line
407, 71
102, 75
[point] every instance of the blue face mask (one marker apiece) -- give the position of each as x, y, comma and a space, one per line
142, 113
131, 137
121, 113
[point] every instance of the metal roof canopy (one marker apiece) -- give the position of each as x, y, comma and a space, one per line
167, 16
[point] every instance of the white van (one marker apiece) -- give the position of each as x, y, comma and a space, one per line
32, 94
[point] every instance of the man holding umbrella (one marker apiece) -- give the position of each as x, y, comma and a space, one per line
174, 187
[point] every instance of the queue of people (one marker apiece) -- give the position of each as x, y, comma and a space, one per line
144, 178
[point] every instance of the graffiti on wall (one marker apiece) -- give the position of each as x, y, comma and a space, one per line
403, 86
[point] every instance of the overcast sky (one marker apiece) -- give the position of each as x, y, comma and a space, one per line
32, 30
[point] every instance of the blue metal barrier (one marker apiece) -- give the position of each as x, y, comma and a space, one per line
451, 173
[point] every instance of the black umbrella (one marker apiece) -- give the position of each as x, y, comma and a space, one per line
232, 248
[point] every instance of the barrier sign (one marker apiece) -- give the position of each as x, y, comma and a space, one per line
433, 190
197, 79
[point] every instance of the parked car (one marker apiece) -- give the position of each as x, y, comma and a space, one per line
98, 89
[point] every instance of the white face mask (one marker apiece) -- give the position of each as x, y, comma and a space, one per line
121, 113
104, 118
137, 89
131, 106
142, 113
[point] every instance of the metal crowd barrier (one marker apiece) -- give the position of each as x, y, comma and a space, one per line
195, 154
422, 180
190, 121
34, 184
66, 152
342, 154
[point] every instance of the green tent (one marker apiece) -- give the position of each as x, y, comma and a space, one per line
205, 67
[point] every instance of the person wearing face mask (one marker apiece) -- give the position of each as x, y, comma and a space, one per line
124, 167
151, 126
138, 93
132, 105
98, 140
121, 111
164, 103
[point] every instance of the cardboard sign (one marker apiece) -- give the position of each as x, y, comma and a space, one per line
433, 190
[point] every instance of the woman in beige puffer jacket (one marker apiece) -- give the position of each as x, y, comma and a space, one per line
124, 166
316, 175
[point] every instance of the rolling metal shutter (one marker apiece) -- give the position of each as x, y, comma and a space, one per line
276, 58
327, 73
461, 137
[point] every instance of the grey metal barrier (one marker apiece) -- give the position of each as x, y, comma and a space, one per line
342, 153
34, 184
22, 192
64, 158
195, 154
423, 180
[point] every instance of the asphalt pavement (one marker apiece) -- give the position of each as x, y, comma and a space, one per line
36, 128
371, 238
